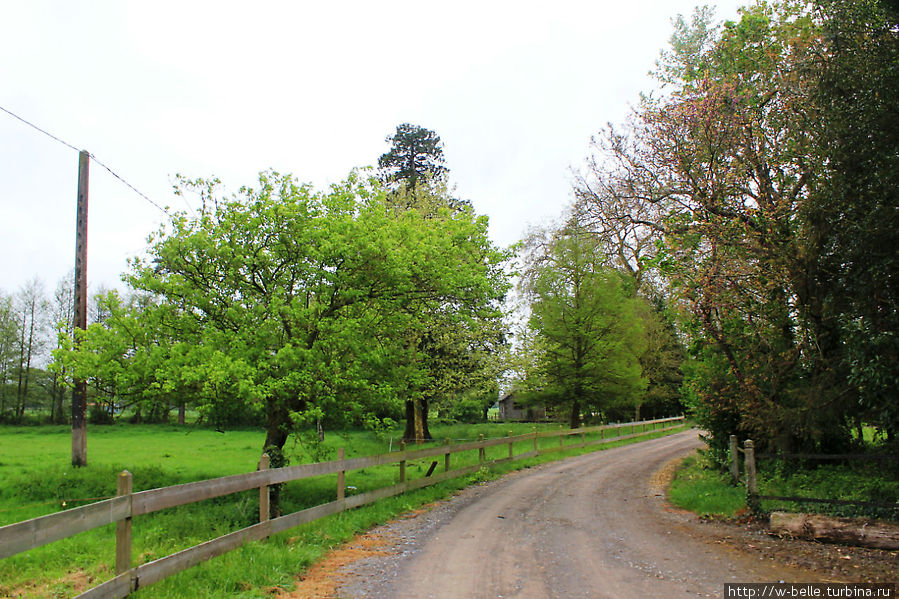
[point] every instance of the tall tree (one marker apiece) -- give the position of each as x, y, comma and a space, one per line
8, 340
415, 157
31, 306
452, 346
62, 307
588, 334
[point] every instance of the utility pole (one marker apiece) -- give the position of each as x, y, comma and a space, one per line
79, 393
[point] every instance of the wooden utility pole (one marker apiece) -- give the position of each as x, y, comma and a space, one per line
79, 393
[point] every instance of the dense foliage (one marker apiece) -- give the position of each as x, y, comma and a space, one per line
303, 306
760, 182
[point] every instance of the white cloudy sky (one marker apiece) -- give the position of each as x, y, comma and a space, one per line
515, 89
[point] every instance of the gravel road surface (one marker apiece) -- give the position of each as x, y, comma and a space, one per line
593, 526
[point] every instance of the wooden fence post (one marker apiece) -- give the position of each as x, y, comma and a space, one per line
402, 463
446, 457
341, 477
535, 440
264, 511
510, 444
561, 437
123, 527
482, 456
734, 458
752, 490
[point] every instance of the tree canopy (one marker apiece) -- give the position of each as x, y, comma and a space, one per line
415, 157
300, 302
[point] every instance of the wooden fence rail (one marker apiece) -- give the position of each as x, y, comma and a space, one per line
23, 536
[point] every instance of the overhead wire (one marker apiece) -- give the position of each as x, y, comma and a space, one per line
93, 157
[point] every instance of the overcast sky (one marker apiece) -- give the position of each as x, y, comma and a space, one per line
227, 89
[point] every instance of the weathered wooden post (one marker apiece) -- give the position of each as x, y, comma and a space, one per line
402, 463
264, 510
446, 457
123, 527
752, 491
561, 437
341, 477
734, 458
482, 456
510, 444
79, 310
535, 440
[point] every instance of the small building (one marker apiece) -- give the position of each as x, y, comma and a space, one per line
509, 409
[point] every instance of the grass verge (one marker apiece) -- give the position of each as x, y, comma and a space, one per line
703, 489
37, 481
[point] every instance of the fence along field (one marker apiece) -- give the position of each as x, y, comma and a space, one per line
23, 536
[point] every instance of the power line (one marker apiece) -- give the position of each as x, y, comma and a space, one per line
134, 189
33, 126
93, 157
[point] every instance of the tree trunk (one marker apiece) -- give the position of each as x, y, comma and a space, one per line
849, 531
416, 421
182, 408
20, 399
409, 433
575, 414
277, 430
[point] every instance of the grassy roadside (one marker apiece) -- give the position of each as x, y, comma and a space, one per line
705, 490
37, 481
701, 487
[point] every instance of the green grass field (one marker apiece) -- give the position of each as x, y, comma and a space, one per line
37, 479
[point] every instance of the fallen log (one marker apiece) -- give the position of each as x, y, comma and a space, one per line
849, 531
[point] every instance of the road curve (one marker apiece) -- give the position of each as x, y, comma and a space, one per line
591, 526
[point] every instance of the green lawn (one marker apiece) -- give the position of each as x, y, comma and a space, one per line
37, 479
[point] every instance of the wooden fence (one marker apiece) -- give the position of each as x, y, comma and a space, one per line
23, 536
754, 498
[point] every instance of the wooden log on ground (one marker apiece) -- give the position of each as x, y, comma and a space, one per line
849, 531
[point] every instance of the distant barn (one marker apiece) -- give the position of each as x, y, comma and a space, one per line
510, 410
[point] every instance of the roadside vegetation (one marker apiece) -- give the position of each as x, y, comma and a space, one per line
700, 485
166, 455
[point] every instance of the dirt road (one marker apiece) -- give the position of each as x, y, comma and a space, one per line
594, 526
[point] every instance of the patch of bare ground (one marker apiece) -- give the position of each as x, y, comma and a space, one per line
322, 580
72, 583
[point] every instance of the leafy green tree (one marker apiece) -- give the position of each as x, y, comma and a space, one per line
452, 347
589, 336
8, 335
661, 362
297, 301
415, 156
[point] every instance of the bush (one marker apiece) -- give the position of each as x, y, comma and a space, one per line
469, 411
